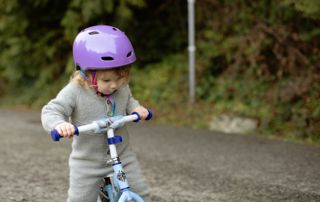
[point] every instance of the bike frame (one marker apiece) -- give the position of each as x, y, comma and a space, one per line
110, 124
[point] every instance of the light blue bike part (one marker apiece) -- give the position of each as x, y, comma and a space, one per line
109, 191
129, 195
122, 182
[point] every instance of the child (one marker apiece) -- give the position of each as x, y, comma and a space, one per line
99, 88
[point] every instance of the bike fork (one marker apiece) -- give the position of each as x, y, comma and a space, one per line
120, 178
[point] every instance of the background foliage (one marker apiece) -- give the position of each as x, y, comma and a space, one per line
258, 59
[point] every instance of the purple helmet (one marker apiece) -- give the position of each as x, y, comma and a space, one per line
102, 47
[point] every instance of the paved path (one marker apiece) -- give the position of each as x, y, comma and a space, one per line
180, 164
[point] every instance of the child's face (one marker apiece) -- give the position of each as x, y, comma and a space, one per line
108, 82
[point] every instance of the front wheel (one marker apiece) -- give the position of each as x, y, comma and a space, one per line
105, 190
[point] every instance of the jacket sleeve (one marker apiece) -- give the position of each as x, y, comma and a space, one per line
132, 102
59, 109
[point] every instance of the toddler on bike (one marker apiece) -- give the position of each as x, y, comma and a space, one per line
99, 88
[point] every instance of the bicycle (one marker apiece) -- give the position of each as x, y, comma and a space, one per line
115, 188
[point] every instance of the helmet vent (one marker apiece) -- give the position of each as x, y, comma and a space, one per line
93, 32
107, 58
129, 54
115, 29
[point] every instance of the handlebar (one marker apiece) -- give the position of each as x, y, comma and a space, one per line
103, 124
55, 135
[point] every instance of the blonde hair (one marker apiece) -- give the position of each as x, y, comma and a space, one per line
122, 72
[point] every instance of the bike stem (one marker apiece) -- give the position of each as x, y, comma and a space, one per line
120, 175
112, 147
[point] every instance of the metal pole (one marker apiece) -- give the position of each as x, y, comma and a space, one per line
191, 50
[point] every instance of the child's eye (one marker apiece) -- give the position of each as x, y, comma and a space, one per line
107, 80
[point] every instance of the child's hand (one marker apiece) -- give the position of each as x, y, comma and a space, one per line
65, 129
143, 112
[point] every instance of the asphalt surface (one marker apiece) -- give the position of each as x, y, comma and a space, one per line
180, 164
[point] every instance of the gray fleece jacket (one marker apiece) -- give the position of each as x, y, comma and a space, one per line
80, 105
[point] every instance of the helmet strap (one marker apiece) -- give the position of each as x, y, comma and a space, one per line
94, 80
84, 75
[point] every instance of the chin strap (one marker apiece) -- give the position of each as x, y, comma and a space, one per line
94, 84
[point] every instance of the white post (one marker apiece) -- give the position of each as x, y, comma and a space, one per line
191, 50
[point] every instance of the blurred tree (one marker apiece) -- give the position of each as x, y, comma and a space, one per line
255, 58
262, 54
36, 40
310, 8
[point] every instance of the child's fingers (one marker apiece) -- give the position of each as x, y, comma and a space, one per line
68, 130
65, 130
71, 127
145, 113
59, 131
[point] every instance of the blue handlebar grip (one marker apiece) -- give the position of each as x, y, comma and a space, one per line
56, 136
76, 130
139, 117
149, 115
